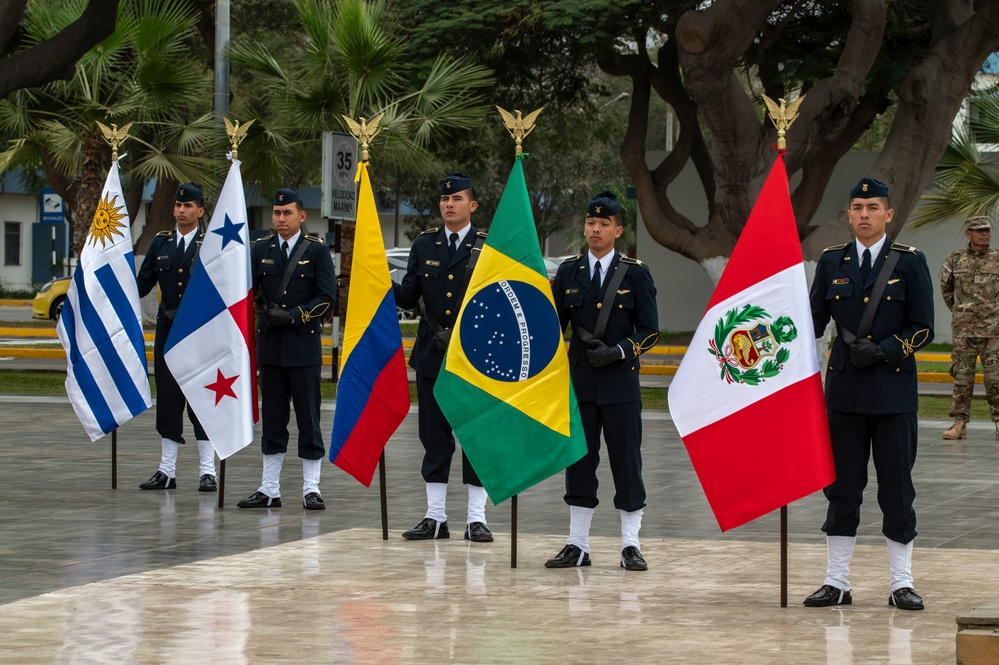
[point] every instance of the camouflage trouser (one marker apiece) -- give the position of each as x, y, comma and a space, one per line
962, 368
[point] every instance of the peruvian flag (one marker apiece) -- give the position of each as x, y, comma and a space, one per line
747, 397
210, 349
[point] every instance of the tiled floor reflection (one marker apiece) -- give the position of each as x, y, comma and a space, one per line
349, 597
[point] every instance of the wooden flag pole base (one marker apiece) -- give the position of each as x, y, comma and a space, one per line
221, 483
383, 495
513, 531
783, 556
114, 459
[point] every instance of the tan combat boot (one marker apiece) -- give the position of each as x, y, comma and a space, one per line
959, 430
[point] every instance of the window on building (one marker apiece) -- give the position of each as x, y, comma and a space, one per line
12, 243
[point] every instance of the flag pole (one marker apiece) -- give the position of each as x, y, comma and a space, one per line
513, 531
782, 115
518, 127
221, 483
382, 489
114, 458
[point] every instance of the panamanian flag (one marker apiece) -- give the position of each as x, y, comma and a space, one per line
372, 395
210, 349
747, 397
107, 380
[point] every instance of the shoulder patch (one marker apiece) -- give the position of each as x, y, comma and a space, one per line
904, 248
835, 247
165, 234
571, 258
631, 261
313, 238
429, 231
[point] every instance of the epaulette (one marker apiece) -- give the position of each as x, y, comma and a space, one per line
571, 258
481, 234
164, 234
313, 238
631, 261
433, 230
835, 247
904, 248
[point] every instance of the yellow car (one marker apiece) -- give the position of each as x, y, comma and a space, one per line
48, 302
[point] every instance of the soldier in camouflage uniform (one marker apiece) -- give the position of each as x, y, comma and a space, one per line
969, 280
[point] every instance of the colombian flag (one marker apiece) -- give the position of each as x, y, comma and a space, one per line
372, 397
505, 385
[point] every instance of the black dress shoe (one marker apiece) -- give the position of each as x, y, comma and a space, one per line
428, 529
570, 557
905, 598
259, 500
208, 483
159, 481
631, 559
478, 532
827, 596
313, 501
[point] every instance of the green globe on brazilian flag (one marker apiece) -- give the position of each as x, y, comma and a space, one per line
504, 385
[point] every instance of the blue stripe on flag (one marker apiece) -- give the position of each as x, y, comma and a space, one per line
120, 303
208, 304
84, 377
379, 342
92, 321
130, 257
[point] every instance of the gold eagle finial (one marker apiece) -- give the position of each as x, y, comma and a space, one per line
236, 133
114, 136
364, 131
783, 115
519, 126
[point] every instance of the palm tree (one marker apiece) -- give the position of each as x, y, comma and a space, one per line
144, 72
348, 62
966, 182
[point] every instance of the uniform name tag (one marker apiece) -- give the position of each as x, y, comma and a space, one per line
433, 263
894, 281
162, 257
571, 291
267, 260
843, 280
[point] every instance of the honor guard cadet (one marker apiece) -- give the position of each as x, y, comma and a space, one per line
440, 267
969, 280
611, 302
879, 295
168, 263
294, 287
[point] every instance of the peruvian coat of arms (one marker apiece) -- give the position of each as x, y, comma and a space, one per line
748, 345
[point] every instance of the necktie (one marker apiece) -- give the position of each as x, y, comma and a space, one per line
453, 247
865, 265
284, 248
180, 246
596, 277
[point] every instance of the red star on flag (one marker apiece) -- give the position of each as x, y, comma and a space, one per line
223, 387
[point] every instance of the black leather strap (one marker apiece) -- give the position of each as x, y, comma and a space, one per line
289, 270
867, 318
608, 302
434, 324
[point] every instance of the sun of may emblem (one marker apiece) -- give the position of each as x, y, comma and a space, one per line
107, 221
748, 349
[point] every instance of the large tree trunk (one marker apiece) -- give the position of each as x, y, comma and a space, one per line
160, 216
53, 58
86, 193
697, 76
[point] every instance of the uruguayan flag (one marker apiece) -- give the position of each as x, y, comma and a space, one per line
101, 324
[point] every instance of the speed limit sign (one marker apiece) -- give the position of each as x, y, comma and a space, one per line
340, 155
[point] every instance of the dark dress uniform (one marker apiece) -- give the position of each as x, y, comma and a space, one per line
436, 276
873, 407
171, 270
609, 397
290, 357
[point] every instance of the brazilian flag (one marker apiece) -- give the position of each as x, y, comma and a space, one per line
504, 385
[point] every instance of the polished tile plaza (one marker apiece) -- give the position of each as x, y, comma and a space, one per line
94, 575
